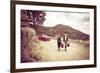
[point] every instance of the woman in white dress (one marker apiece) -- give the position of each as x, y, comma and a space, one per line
65, 40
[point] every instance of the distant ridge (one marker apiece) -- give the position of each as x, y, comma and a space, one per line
60, 28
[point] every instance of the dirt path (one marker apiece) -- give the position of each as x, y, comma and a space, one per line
76, 51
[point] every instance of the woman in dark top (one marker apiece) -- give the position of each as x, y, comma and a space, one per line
59, 42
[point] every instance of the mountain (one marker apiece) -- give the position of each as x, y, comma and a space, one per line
53, 31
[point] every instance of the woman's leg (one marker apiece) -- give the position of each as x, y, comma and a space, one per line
65, 45
59, 46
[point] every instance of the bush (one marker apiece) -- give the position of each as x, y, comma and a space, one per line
30, 45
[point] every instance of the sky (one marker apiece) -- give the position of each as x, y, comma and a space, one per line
79, 21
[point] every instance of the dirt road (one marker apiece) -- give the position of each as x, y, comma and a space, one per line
76, 51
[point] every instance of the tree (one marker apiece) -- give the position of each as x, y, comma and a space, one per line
35, 18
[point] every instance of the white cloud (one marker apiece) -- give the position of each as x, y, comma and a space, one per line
78, 21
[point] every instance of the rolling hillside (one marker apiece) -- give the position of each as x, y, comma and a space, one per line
72, 33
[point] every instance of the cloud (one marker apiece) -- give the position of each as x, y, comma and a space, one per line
78, 21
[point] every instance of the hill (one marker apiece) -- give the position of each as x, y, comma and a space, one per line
72, 33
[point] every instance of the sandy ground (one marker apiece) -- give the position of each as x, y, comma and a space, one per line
76, 51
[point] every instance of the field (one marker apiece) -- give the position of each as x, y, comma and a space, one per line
35, 50
76, 51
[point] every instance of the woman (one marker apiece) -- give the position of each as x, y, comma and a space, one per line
59, 41
65, 40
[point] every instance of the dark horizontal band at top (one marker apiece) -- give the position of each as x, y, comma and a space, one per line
53, 4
